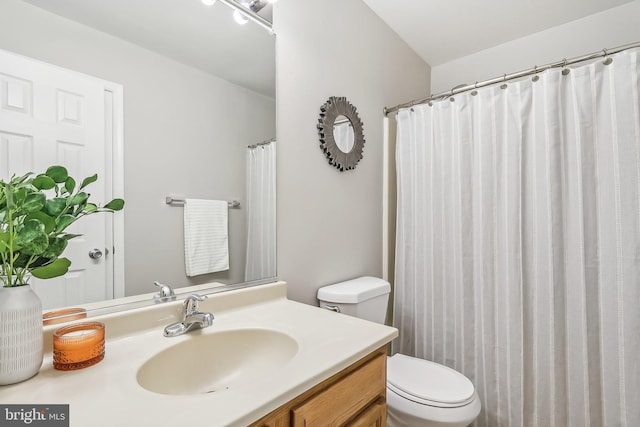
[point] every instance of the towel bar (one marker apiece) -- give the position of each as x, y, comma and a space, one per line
233, 204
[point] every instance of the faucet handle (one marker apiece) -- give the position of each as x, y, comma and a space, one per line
166, 293
191, 302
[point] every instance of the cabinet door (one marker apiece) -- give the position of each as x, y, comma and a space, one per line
343, 400
279, 418
374, 416
274, 422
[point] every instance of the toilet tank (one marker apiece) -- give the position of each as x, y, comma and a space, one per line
365, 297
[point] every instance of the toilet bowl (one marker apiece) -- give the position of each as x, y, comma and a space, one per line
420, 393
426, 394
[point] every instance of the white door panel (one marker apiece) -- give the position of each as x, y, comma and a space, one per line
50, 115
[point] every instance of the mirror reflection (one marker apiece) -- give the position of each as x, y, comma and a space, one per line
343, 133
182, 106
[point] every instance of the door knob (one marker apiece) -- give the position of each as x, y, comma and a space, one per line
95, 254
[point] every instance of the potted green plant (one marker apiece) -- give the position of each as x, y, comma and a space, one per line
35, 214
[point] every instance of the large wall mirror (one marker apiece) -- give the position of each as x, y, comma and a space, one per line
198, 107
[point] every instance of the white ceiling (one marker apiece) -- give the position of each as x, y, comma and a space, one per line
443, 30
204, 37
207, 38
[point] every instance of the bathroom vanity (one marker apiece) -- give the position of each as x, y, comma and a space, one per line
353, 397
264, 361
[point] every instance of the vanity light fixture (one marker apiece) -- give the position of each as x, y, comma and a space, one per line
247, 9
239, 17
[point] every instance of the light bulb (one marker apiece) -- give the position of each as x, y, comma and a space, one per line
240, 18
271, 1
209, 2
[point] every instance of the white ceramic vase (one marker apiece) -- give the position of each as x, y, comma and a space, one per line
20, 334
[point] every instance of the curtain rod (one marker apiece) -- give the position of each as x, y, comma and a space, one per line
535, 70
259, 144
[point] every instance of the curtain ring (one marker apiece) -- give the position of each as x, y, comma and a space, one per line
504, 82
565, 70
607, 60
535, 77
474, 92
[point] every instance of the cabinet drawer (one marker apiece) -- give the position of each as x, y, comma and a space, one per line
344, 399
374, 416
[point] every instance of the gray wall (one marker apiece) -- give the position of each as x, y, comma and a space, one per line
186, 133
330, 222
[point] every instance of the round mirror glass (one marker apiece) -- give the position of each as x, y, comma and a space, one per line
343, 133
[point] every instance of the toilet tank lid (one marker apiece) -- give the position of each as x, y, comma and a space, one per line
355, 290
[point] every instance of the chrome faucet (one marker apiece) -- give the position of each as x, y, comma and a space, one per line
166, 293
192, 318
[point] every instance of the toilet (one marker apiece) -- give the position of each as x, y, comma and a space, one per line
420, 393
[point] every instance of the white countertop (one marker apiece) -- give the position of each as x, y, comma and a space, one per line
108, 393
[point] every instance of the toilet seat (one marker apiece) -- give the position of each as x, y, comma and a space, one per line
428, 383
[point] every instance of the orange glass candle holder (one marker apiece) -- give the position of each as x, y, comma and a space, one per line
78, 346
64, 315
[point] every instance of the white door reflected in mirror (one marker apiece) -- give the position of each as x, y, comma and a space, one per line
58, 116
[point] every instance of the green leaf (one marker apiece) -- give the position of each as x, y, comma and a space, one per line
57, 268
32, 238
9, 193
21, 261
4, 241
48, 221
88, 180
20, 195
55, 206
37, 262
43, 182
115, 205
56, 246
16, 180
34, 202
78, 199
67, 236
90, 207
70, 185
64, 221
58, 173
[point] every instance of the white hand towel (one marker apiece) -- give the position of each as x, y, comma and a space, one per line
206, 236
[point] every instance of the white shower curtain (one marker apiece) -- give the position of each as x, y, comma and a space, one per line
344, 136
518, 244
261, 212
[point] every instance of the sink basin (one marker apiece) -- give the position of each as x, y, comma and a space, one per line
210, 363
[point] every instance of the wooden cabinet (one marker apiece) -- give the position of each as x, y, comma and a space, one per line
355, 397
374, 416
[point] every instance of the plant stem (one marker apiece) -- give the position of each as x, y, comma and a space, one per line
11, 257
